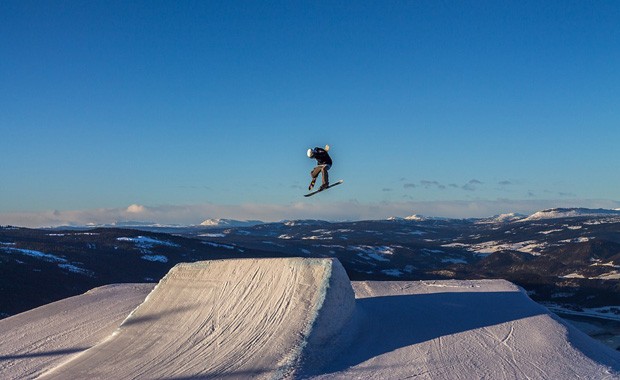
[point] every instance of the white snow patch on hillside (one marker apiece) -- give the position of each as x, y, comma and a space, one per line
431, 251
373, 252
218, 245
377, 253
392, 272
219, 235
414, 233
155, 258
454, 261
329, 246
455, 245
550, 231
613, 275
317, 237
599, 263
532, 247
573, 275
373, 256
303, 222
76, 269
36, 254
611, 313
147, 242
582, 239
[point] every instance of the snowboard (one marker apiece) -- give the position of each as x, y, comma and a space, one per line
318, 191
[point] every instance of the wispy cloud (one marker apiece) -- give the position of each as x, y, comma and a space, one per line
472, 185
409, 185
430, 184
351, 210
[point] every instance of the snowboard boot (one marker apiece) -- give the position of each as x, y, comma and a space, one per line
324, 186
312, 184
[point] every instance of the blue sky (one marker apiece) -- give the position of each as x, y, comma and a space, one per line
194, 110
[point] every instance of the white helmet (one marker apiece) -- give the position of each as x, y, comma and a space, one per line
310, 153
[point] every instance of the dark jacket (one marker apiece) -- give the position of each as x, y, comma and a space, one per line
321, 156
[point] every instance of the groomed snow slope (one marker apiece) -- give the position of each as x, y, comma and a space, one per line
226, 318
297, 318
453, 330
43, 338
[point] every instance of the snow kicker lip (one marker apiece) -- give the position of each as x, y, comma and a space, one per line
240, 318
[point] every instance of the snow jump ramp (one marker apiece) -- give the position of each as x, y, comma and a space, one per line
237, 318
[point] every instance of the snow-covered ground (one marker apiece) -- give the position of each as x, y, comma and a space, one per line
62, 262
532, 247
557, 213
42, 338
299, 318
146, 242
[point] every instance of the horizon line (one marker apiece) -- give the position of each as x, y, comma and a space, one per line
352, 210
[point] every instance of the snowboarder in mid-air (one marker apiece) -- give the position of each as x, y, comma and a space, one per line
324, 163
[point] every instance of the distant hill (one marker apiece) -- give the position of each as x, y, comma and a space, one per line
229, 223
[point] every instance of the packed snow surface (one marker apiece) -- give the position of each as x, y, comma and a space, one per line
42, 338
300, 318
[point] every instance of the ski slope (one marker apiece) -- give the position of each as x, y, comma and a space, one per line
302, 318
485, 329
47, 336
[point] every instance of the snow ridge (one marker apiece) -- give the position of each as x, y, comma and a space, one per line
556, 213
229, 223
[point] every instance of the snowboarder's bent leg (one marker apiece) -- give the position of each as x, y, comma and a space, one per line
322, 169
325, 175
314, 173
